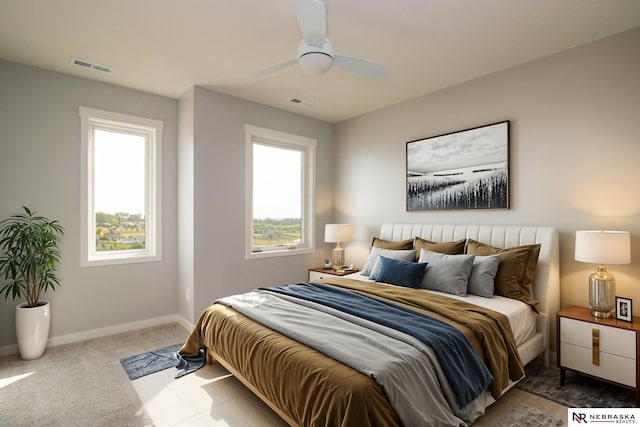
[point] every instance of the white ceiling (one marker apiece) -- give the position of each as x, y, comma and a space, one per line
167, 46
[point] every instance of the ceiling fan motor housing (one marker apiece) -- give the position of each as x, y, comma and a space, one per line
315, 59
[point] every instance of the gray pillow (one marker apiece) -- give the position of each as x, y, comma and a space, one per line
482, 275
372, 265
446, 273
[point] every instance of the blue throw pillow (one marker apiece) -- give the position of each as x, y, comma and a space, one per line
399, 272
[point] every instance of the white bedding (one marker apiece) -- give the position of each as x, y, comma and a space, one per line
521, 317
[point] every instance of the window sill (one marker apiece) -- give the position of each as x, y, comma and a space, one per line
278, 253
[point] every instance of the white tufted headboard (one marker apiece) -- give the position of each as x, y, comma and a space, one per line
546, 283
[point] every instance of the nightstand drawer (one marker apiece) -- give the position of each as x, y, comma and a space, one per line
613, 341
612, 367
603, 348
314, 275
327, 273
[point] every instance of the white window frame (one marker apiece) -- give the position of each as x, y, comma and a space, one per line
90, 120
308, 148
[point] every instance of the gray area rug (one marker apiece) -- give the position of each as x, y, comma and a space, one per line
578, 391
525, 415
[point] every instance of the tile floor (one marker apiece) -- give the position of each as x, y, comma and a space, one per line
207, 397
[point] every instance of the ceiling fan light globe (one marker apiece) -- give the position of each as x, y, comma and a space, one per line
316, 63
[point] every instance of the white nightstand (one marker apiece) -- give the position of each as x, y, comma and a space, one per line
323, 273
605, 349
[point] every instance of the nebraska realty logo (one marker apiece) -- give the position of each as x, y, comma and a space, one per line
603, 416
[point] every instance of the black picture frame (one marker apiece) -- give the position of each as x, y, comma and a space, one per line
467, 169
624, 309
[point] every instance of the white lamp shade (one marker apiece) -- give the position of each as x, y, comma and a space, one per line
603, 247
337, 233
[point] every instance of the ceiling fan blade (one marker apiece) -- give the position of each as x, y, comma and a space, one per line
312, 20
363, 67
276, 67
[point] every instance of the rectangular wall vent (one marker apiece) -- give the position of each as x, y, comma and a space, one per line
300, 102
90, 65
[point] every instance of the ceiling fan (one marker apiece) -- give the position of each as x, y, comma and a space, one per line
315, 53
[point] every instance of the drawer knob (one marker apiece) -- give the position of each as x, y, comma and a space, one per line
595, 341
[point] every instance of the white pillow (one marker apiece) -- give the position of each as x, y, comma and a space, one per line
372, 265
482, 275
446, 273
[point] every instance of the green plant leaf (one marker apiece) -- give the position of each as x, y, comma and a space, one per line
30, 254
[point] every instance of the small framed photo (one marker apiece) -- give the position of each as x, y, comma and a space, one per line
623, 309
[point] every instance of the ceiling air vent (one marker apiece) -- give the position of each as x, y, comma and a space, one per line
90, 65
300, 102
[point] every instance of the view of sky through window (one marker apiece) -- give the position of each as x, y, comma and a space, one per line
119, 173
276, 182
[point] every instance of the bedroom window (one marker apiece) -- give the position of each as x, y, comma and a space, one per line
280, 193
120, 188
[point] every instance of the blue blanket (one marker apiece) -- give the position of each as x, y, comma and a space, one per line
464, 370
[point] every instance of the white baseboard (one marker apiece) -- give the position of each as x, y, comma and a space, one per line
7, 350
184, 322
103, 332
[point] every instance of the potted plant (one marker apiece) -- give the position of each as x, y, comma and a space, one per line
29, 255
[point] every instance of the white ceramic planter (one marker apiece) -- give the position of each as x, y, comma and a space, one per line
32, 329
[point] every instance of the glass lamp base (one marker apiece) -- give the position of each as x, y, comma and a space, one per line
602, 314
337, 257
602, 293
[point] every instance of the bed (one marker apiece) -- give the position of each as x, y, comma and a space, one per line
344, 386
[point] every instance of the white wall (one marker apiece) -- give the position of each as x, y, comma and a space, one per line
218, 266
185, 288
574, 151
40, 168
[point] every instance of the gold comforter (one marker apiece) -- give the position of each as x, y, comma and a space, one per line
308, 388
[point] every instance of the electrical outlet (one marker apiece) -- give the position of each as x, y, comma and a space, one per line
187, 295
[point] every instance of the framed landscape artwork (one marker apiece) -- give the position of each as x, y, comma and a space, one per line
468, 169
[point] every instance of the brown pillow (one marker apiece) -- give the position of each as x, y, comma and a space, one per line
516, 270
532, 263
387, 244
447, 248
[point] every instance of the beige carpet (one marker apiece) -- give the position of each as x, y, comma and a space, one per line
80, 384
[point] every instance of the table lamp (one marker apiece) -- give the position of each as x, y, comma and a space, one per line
337, 233
602, 247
